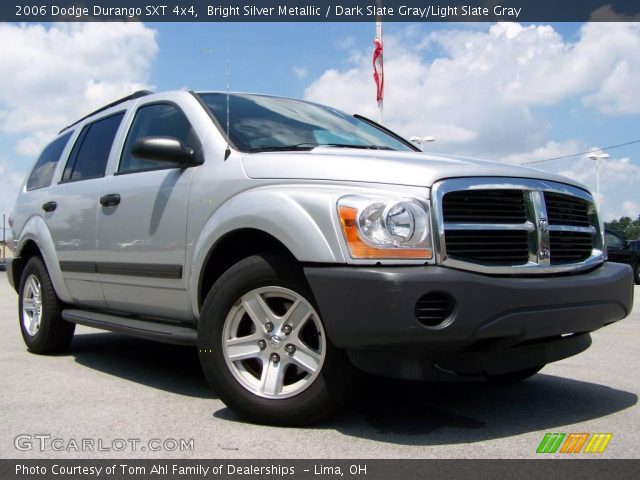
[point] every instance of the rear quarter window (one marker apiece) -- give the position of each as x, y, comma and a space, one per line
42, 172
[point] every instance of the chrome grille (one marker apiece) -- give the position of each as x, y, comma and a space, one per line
570, 247
511, 225
485, 206
566, 210
489, 246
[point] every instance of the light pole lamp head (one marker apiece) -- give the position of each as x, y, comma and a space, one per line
598, 156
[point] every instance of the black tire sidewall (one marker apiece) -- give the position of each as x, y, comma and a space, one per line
328, 391
54, 334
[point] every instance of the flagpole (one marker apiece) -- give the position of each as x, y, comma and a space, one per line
379, 38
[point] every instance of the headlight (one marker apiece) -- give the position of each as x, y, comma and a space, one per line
385, 227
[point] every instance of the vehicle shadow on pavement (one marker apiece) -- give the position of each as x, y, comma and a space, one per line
172, 368
385, 410
429, 413
417, 413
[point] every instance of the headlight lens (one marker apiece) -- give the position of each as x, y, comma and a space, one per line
385, 228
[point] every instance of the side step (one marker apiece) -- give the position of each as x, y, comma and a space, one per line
160, 332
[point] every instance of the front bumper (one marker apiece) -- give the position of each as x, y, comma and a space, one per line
374, 308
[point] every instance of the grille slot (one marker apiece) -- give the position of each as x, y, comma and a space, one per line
484, 206
434, 308
491, 247
570, 247
566, 210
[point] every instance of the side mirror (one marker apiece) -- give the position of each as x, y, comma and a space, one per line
165, 149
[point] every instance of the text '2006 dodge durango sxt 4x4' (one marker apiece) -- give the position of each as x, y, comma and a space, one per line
295, 244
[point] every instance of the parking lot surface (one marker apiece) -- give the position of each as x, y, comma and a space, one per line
112, 389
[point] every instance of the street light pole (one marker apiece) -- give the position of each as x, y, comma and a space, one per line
422, 140
597, 157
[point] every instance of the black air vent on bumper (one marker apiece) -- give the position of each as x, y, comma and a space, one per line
434, 308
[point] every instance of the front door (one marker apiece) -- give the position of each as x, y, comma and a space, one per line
142, 225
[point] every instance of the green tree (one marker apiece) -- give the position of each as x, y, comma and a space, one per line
629, 229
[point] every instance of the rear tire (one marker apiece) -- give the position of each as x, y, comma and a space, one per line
43, 329
260, 371
512, 378
636, 274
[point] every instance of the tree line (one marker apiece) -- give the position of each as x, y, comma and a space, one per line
624, 226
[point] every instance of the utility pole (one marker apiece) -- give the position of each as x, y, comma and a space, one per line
4, 238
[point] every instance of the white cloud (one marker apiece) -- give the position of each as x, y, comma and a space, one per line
487, 82
52, 76
300, 72
11, 182
479, 95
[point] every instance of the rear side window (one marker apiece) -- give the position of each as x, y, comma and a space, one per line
44, 168
90, 154
156, 120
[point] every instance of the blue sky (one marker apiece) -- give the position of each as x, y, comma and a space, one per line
506, 92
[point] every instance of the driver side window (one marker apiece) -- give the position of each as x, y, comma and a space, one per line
156, 120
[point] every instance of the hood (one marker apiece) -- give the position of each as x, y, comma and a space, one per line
381, 166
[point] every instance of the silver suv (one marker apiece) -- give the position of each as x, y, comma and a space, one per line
294, 245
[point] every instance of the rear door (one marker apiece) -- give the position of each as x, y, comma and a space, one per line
72, 223
141, 237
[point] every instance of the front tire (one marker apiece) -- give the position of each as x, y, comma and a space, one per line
263, 348
43, 329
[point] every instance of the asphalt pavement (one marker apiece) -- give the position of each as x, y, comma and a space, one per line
125, 397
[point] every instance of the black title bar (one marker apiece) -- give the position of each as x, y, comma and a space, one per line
319, 10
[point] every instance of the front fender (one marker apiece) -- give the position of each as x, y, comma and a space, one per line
35, 229
302, 218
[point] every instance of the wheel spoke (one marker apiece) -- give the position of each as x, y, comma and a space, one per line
257, 309
33, 285
28, 304
306, 358
272, 377
297, 316
243, 348
33, 324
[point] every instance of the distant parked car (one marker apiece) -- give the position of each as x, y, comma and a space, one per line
622, 251
3, 265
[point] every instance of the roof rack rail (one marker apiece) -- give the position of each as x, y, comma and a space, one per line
138, 94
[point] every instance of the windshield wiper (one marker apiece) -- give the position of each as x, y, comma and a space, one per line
284, 148
311, 146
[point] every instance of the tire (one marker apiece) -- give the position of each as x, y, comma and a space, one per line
512, 378
270, 287
43, 330
636, 274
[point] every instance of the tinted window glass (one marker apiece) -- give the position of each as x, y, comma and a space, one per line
614, 240
42, 172
258, 122
91, 152
158, 120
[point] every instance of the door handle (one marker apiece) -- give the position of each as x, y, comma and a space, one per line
110, 200
49, 206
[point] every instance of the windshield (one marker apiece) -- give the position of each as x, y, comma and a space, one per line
261, 123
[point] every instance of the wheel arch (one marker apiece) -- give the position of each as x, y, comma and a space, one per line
230, 249
295, 220
35, 240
